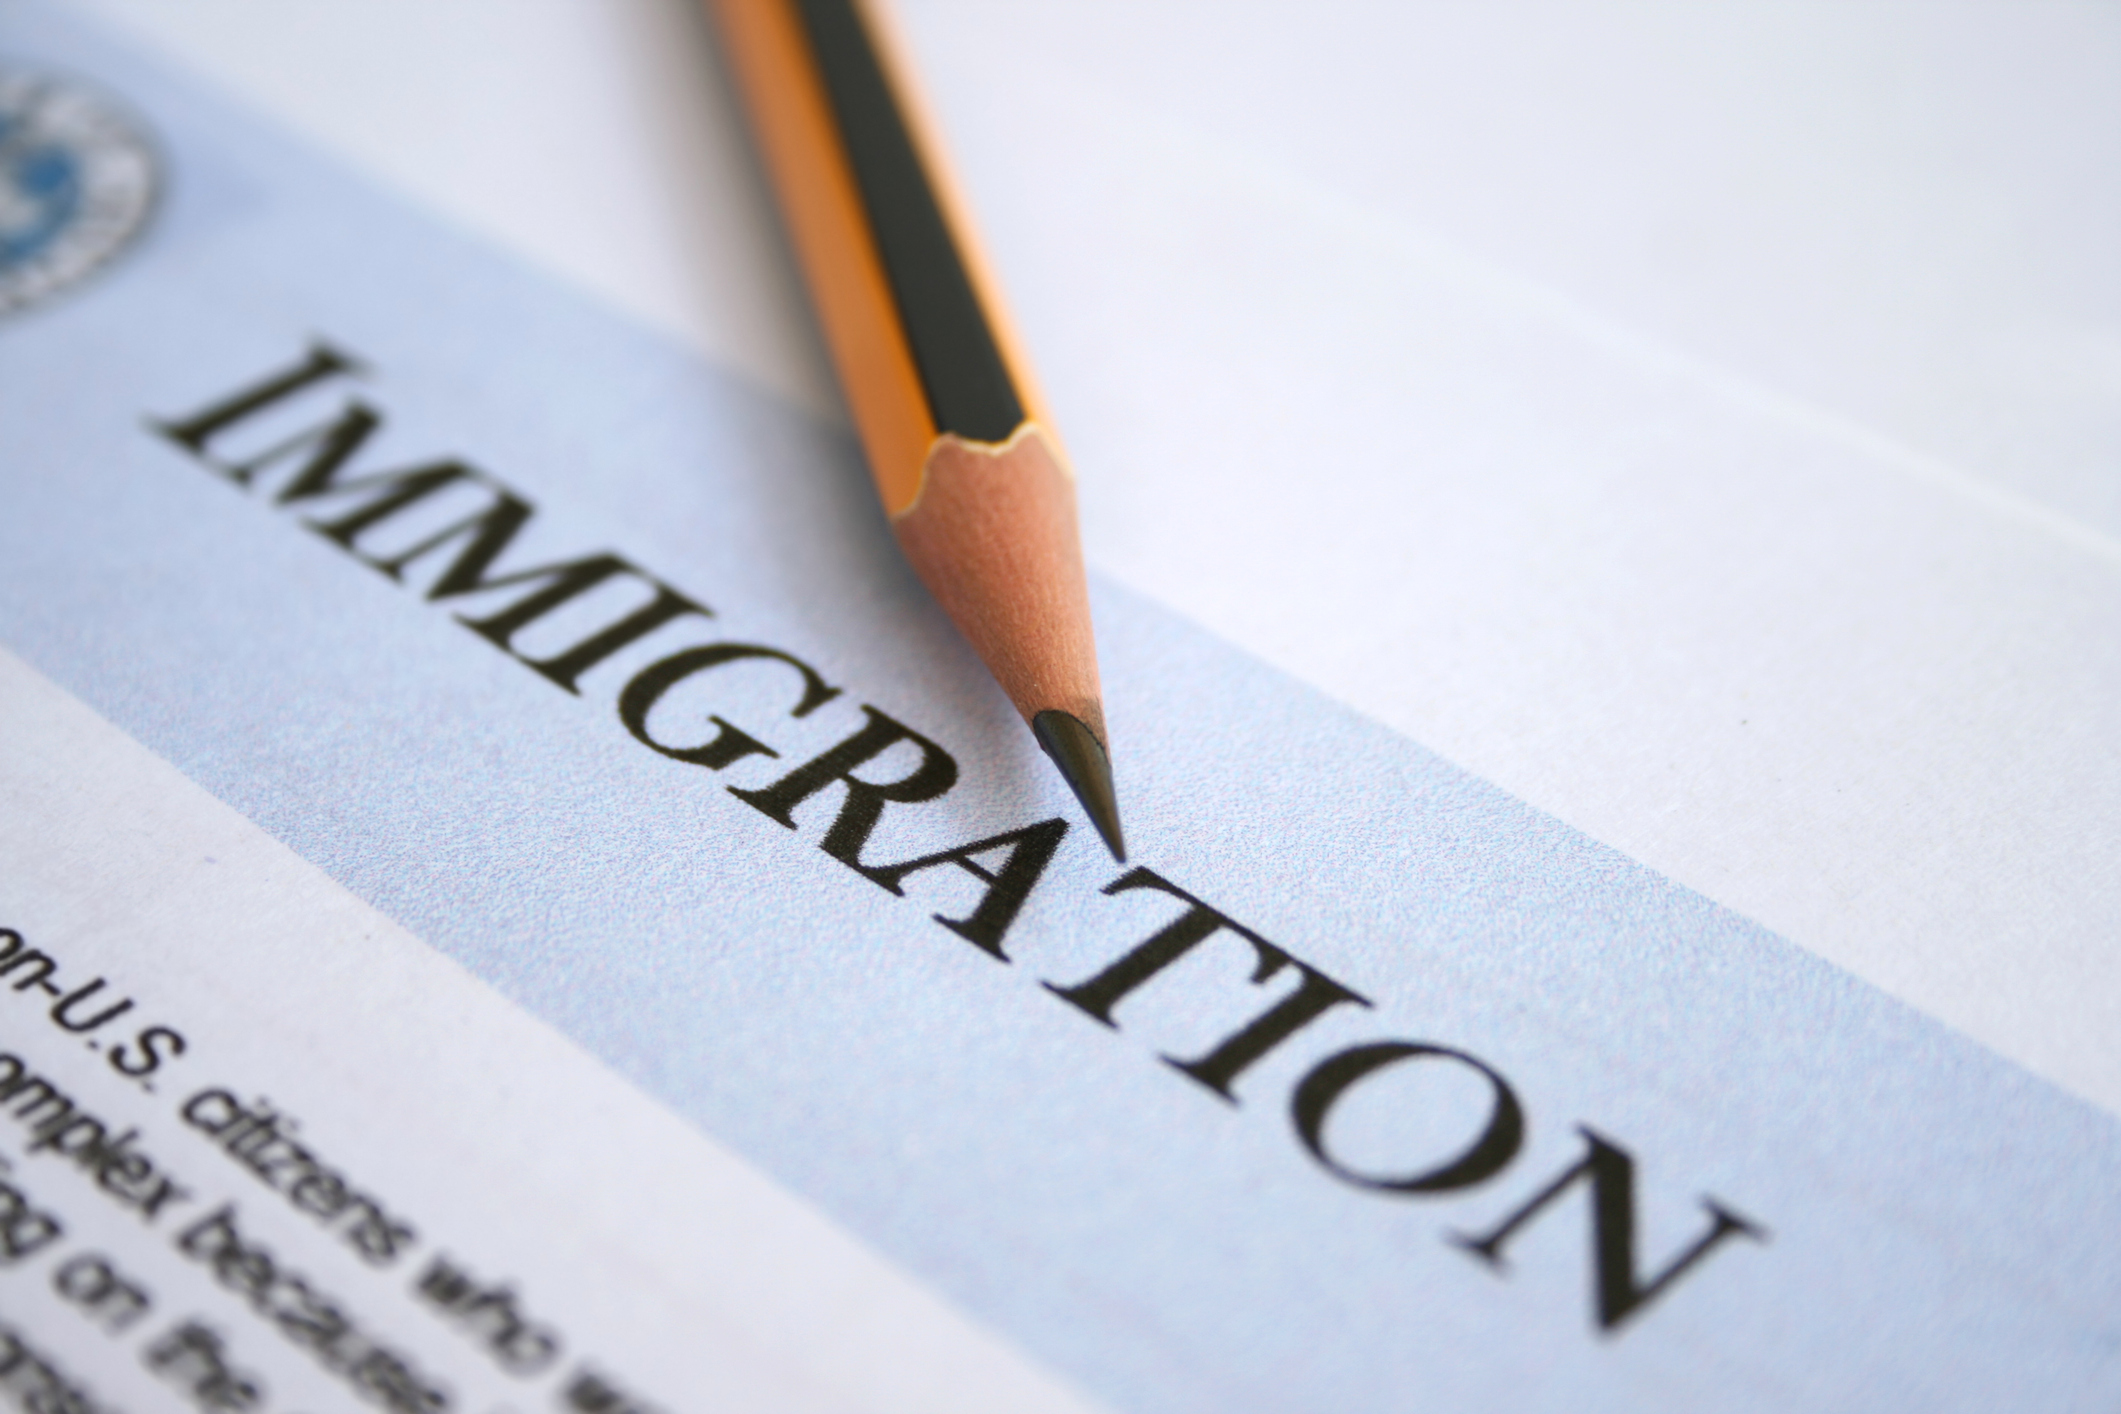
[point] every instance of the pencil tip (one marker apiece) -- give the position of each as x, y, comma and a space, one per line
1087, 770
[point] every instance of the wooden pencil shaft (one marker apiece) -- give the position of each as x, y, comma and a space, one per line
913, 323
977, 488
798, 136
970, 389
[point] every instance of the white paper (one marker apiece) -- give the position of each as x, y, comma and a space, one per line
1699, 421
642, 1258
1164, 1197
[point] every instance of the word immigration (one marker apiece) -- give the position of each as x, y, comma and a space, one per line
300, 437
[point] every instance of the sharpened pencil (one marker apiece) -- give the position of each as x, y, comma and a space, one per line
973, 479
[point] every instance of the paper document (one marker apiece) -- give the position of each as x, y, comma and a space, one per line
512, 897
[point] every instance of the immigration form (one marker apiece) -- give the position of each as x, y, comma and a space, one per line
512, 897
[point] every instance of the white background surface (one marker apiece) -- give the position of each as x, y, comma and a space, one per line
1703, 421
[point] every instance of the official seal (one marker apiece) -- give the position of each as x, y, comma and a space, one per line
78, 179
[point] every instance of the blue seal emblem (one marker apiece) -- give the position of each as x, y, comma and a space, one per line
78, 179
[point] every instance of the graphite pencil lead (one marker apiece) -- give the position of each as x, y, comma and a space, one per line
1083, 764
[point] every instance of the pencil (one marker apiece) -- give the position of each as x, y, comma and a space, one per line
976, 484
